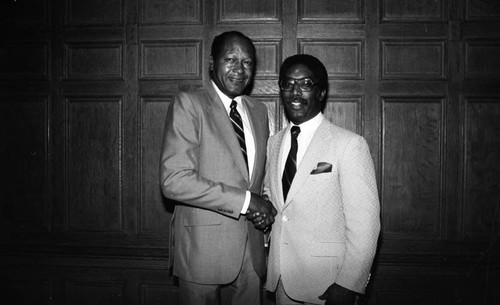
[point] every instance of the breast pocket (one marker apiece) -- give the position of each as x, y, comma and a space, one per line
320, 177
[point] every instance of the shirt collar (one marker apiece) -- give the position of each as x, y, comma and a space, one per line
311, 125
226, 100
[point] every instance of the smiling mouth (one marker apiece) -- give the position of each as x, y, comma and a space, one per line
237, 80
296, 104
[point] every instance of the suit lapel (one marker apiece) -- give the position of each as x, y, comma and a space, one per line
314, 153
225, 128
276, 170
260, 140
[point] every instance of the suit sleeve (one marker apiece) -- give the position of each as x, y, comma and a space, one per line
362, 214
179, 176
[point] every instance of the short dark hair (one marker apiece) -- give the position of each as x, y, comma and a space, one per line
312, 63
219, 41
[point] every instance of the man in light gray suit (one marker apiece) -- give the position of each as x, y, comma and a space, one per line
321, 180
212, 162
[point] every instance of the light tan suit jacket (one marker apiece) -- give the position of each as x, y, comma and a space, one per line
203, 168
326, 231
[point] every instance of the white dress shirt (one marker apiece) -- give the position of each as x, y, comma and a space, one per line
249, 139
307, 130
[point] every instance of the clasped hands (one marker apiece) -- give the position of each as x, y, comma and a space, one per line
261, 212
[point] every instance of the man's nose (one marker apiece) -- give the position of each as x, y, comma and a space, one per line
296, 89
238, 67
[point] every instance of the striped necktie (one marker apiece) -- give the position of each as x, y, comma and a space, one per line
291, 162
235, 117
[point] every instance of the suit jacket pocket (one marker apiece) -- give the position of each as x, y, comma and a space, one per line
199, 217
322, 176
326, 249
322, 167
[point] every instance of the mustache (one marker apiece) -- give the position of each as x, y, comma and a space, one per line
295, 99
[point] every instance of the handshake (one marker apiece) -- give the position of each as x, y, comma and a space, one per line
261, 212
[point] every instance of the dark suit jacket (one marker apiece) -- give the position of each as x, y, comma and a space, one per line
202, 166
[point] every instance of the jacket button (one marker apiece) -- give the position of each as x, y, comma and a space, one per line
285, 218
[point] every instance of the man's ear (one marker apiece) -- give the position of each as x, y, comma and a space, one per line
322, 95
211, 63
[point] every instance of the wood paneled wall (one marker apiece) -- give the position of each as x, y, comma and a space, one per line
84, 89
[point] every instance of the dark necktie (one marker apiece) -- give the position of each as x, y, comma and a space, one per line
291, 162
235, 117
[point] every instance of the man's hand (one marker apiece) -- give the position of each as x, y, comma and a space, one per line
261, 212
338, 295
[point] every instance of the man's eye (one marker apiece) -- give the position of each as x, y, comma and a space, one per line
307, 83
248, 63
230, 60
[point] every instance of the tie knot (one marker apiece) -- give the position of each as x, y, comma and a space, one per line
295, 131
233, 104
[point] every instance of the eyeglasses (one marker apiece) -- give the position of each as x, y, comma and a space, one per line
305, 84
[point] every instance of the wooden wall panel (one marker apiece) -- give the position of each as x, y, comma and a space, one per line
482, 59
24, 60
235, 11
93, 60
482, 167
273, 112
345, 11
171, 59
413, 59
413, 11
29, 291
345, 112
482, 10
154, 216
399, 296
94, 13
156, 294
343, 59
94, 164
33, 13
24, 164
268, 58
412, 167
417, 284
180, 12
94, 292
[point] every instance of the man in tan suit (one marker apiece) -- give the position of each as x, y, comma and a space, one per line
212, 162
321, 180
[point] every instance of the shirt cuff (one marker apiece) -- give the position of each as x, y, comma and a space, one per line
244, 209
